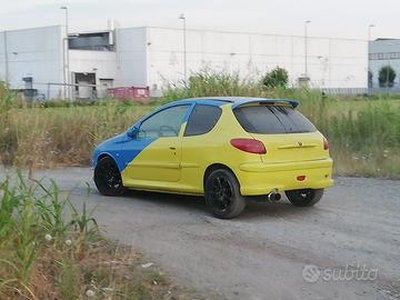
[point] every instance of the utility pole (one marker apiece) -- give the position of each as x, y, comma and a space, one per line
306, 48
369, 82
183, 18
66, 61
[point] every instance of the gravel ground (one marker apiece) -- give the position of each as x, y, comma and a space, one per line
345, 247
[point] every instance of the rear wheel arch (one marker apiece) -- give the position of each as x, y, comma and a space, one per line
222, 192
214, 167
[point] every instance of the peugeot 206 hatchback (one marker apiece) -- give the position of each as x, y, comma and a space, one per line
228, 149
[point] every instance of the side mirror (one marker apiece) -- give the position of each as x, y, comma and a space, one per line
132, 132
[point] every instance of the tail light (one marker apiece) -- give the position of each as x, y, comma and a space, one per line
326, 144
249, 145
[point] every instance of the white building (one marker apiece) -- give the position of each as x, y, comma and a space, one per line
382, 53
38, 59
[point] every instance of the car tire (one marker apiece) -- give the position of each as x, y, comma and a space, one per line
108, 178
305, 197
222, 194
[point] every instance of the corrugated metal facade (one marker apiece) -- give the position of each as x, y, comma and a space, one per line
384, 52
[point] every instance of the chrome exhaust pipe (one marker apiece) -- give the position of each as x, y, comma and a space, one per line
274, 196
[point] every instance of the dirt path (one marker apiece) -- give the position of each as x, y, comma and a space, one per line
346, 247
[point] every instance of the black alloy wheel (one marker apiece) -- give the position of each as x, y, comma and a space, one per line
305, 197
108, 178
222, 194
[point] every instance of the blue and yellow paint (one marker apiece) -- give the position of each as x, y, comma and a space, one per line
178, 164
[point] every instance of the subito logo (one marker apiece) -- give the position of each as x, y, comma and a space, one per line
311, 273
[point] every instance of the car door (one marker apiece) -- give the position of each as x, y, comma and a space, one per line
160, 158
201, 145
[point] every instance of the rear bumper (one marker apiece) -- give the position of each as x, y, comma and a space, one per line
262, 178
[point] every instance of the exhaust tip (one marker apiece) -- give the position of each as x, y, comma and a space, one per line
274, 197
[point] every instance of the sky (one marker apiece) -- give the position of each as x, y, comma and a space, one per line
328, 18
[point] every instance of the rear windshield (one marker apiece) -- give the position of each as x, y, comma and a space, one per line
269, 119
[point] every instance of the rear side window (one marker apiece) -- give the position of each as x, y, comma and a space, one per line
269, 119
202, 119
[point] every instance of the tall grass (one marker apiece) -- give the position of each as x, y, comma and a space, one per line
61, 135
209, 83
365, 139
50, 249
363, 132
35, 236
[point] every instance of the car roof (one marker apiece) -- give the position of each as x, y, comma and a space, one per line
236, 101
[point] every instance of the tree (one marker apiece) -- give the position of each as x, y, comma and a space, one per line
278, 77
386, 76
370, 79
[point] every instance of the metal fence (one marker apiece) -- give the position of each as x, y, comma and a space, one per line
360, 91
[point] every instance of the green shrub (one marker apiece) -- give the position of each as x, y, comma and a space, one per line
207, 83
386, 76
278, 77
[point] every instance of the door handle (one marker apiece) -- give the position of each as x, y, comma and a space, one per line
172, 148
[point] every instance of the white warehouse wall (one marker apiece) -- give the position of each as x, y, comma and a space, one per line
150, 56
332, 63
101, 63
35, 53
131, 55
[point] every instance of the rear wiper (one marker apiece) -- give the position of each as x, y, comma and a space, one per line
276, 116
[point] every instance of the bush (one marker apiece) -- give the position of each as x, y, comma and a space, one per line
208, 83
6, 99
278, 77
386, 76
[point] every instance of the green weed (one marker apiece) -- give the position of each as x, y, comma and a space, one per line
49, 249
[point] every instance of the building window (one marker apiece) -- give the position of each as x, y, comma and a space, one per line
384, 56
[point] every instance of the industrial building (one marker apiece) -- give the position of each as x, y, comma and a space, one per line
382, 53
49, 63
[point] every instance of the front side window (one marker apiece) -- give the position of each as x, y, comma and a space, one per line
202, 119
166, 123
270, 119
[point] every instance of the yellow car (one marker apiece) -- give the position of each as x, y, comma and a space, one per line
228, 149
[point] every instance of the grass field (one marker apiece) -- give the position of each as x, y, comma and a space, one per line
61, 135
50, 249
364, 133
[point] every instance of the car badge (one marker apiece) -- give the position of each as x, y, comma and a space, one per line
300, 144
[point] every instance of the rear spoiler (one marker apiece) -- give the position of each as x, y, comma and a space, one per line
292, 103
